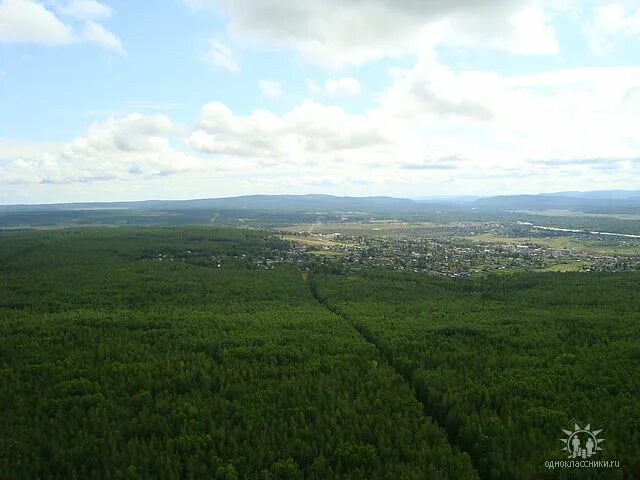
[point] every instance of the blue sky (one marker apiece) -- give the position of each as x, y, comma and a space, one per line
117, 100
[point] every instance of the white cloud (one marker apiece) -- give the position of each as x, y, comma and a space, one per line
590, 116
29, 22
121, 148
432, 91
610, 24
342, 87
85, 9
337, 32
12, 149
221, 55
95, 33
631, 99
434, 123
468, 130
270, 88
26, 21
530, 33
499, 121
309, 133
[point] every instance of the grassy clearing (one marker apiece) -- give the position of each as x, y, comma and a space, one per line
373, 229
327, 253
565, 267
314, 241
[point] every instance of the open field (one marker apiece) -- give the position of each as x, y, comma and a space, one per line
315, 245
330, 253
373, 228
593, 246
315, 241
566, 267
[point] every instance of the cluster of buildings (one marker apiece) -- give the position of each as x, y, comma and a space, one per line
453, 257
459, 252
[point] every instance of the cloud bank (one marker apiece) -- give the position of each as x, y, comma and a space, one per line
27, 21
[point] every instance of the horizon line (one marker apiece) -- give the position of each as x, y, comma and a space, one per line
412, 198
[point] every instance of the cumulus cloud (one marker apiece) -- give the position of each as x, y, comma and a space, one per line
13, 149
611, 23
590, 118
632, 98
450, 162
342, 87
433, 124
29, 22
434, 121
431, 90
338, 32
134, 146
95, 33
85, 9
505, 120
221, 55
579, 161
311, 132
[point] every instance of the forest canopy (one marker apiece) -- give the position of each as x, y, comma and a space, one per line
184, 353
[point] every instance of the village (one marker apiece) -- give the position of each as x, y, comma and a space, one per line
460, 250
454, 256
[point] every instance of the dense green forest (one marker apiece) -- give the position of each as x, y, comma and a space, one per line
505, 363
188, 353
131, 354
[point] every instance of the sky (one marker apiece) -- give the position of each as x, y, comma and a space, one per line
174, 99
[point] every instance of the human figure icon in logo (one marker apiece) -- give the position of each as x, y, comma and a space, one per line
590, 445
575, 443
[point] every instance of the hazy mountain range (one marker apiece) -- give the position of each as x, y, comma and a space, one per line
605, 201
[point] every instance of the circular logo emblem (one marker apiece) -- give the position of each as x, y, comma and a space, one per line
582, 442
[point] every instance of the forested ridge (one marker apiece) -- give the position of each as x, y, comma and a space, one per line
116, 364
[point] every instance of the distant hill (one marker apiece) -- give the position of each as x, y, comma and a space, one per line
262, 210
448, 198
613, 201
322, 203
598, 194
199, 210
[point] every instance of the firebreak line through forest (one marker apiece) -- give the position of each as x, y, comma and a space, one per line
385, 359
